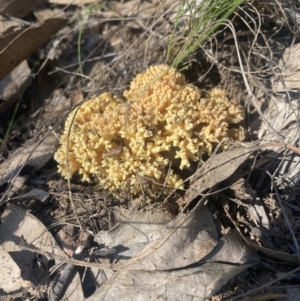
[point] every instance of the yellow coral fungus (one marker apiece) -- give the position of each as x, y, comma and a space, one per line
164, 122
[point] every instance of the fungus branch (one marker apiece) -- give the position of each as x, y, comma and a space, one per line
165, 121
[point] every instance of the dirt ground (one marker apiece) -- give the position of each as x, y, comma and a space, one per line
254, 57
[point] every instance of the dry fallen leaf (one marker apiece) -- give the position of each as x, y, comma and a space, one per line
187, 236
232, 249
16, 82
45, 13
135, 232
16, 44
188, 284
217, 169
10, 275
19, 225
291, 258
37, 194
14, 85
288, 78
18, 8
246, 197
143, 9
282, 112
35, 154
72, 2
184, 241
199, 282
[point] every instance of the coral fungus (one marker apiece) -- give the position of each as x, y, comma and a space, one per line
164, 122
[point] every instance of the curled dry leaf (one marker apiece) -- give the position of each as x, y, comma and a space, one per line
232, 249
291, 258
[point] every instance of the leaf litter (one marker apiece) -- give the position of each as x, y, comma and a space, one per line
20, 227
187, 254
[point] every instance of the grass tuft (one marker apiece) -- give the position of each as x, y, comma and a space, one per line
195, 21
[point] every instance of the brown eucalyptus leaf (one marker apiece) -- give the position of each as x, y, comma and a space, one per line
18, 8
16, 44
